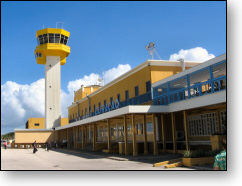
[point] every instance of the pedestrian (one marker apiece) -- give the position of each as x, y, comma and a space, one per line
48, 146
5, 145
55, 144
35, 147
220, 159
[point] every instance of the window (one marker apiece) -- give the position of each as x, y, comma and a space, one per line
149, 128
126, 94
219, 70
111, 99
118, 97
57, 38
45, 38
36, 124
99, 105
203, 124
161, 89
105, 102
51, 38
136, 91
85, 111
63, 39
148, 86
38, 55
178, 84
94, 107
139, 129
199, 77
41, 39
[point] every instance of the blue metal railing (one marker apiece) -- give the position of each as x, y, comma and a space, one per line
133, 101
199, 89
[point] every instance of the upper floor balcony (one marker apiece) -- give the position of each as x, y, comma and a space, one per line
208, 79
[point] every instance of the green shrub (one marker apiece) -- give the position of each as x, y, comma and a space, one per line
200, 153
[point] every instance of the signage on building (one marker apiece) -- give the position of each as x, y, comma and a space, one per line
104, 108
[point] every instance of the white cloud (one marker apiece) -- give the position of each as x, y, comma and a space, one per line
194, 54
20, 102
113, 73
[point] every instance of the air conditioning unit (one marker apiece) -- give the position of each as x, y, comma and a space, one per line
180, 135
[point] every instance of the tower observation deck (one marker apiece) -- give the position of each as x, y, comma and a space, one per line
52, 51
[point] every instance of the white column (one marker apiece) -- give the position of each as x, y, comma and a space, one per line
52, 92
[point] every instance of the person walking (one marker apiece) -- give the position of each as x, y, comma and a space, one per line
35, 147
48, 146
5, 145
55, 144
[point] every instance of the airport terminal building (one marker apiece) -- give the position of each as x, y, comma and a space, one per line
155, 107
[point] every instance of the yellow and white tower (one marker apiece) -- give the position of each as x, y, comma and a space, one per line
52, 51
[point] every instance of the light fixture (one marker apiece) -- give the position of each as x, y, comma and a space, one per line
151, 49
216, 71
176, 84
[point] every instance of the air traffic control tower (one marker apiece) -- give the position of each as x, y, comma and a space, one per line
52, 51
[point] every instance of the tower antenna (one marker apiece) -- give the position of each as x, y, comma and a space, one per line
60, 23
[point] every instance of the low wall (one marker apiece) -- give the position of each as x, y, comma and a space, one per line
29, 136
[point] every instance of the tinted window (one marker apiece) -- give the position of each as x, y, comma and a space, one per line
136, 91
51, 38
126, 94
57, 38
45, 38
178, 84
148, 86
199, 77
219, 70
41, 40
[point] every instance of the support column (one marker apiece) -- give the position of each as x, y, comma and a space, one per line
74, 137
174, 132
154, 135
145, 135
67, 138
219, 124
109, 137
94, 137
135, 153
125, 136
163, 133
186, 130
83, 137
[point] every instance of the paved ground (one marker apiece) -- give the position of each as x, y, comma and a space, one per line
60, 159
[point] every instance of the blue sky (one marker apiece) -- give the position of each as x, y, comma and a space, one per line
104, 35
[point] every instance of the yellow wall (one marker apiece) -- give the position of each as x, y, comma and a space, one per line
139, 78
31, 136
161, 72
41, 122
81, 93
33, 121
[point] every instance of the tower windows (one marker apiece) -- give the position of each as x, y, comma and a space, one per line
57, 38
45, 38
52, 38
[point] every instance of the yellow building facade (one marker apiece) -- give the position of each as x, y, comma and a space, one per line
39, 123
